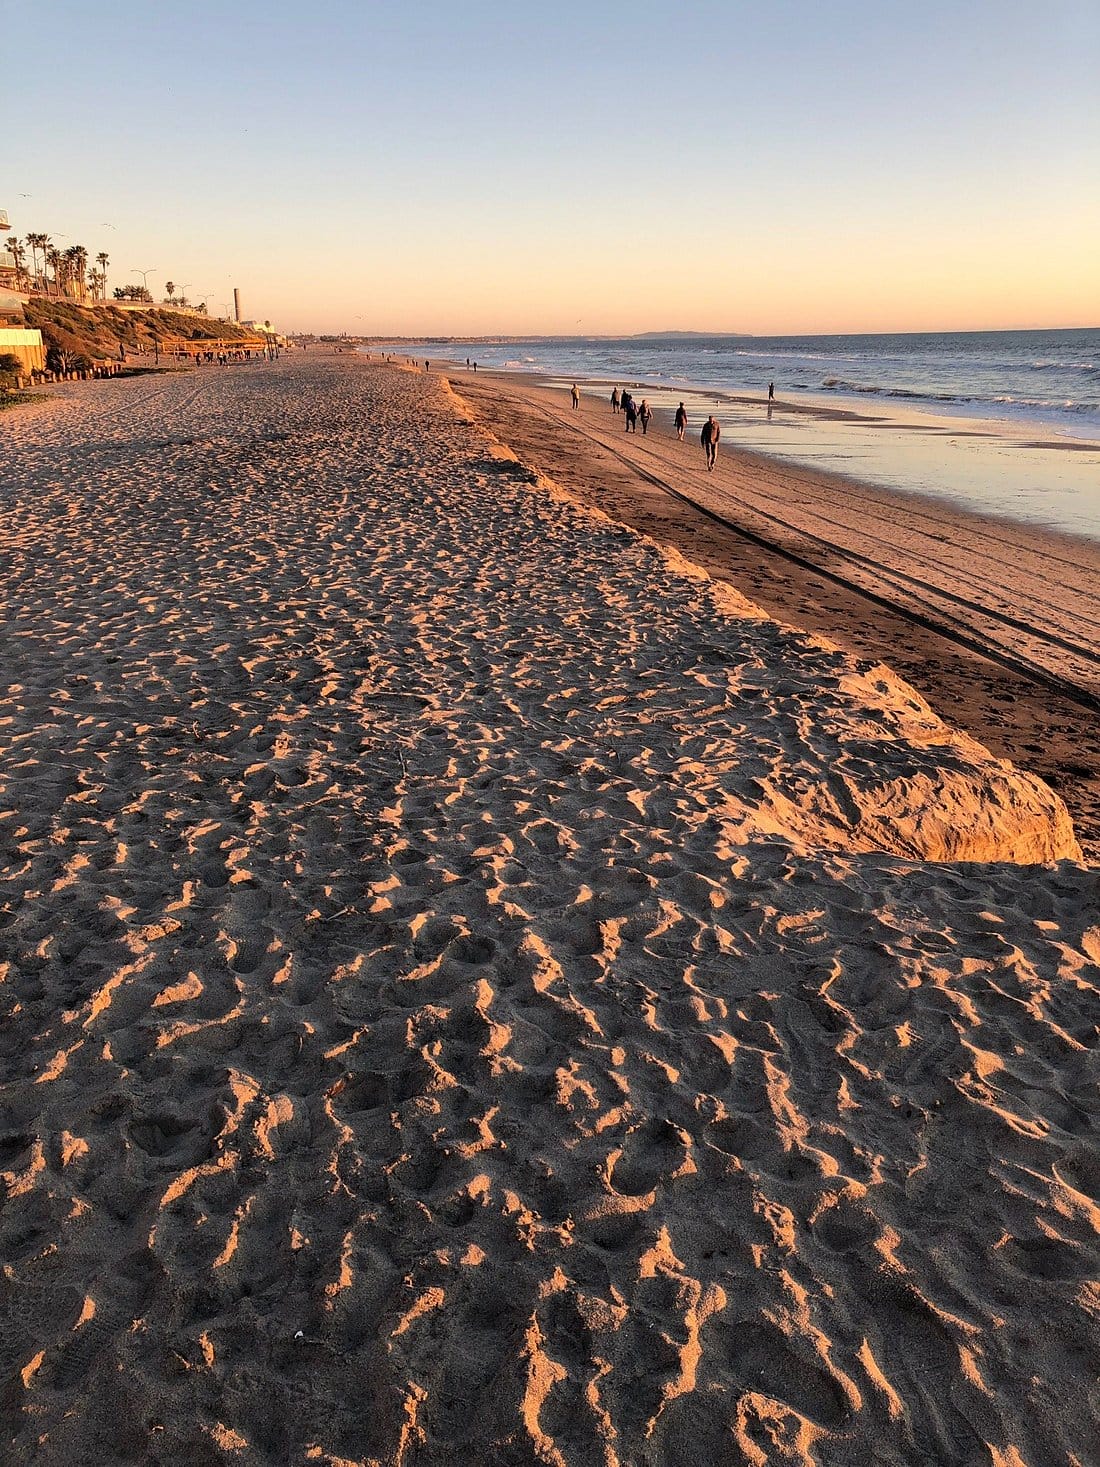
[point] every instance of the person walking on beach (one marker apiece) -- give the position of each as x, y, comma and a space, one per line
771, 391
709, 439
631, 411
614, 399
576, 397
681, 421
645, 412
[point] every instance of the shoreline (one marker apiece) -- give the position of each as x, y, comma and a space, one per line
901, 408
901, 413
804, 578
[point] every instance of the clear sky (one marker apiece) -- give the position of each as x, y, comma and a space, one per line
408, 166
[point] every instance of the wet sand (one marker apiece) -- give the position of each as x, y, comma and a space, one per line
475, 989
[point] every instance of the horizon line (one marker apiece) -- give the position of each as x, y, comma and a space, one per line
505, 336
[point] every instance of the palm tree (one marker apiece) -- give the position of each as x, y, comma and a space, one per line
170, 287
68, 271
37, 242
18, 254
77, 257
103, 260
53, 262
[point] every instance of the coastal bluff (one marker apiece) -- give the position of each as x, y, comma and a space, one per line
475, 989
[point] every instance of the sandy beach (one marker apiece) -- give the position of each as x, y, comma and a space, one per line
479, 989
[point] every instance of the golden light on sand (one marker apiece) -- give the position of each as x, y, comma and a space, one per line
478, 987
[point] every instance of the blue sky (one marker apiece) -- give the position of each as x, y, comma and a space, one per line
488, 167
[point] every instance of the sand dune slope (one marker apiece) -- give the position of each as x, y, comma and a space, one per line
476, 992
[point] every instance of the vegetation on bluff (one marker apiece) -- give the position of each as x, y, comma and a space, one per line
82, 336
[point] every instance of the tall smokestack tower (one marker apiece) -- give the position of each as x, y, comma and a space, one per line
236, 304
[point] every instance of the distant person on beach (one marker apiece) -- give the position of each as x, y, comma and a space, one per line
681, 421
614, 399
427, 365
645, 412
709, 439
630, 408
576, 397
475, 366
771, 391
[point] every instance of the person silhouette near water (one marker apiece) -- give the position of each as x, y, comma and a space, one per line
771, 391
645, 412
614, 399
630, 408
681, 421
575, 396
709, 439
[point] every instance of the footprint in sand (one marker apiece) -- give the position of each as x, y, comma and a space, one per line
655, 1153
181, 1141
762, 1360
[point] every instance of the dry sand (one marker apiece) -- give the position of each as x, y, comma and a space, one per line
477, 991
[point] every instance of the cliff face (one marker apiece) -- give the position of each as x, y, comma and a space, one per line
99, 332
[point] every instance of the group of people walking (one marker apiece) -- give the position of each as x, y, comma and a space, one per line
634, 412
623, 402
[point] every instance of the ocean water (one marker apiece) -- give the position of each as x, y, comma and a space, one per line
1003, 422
